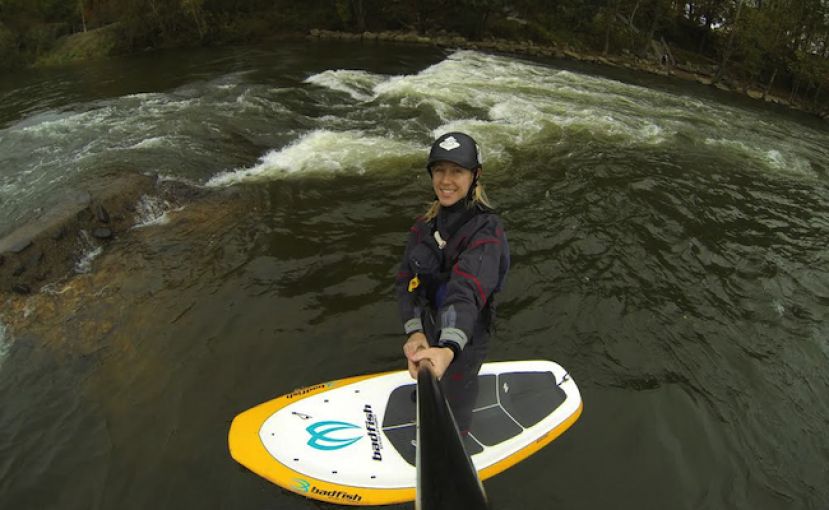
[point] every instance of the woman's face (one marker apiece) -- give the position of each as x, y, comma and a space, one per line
451, 182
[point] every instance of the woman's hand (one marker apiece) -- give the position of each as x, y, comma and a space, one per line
417, 341
417, 349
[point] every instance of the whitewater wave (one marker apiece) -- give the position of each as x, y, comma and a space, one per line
526, 100
779, 160
357, 84
325, 152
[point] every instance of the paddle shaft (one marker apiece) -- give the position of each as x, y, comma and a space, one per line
446, 477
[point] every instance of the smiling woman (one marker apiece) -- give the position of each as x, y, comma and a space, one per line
459, 252
451, 182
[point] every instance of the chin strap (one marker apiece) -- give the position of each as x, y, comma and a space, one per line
470, 195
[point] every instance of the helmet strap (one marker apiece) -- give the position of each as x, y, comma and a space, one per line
470, 195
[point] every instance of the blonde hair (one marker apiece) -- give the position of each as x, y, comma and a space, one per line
479, 197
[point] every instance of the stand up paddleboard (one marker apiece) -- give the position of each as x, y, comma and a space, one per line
352, 441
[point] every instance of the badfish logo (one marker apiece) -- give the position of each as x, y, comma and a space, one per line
321, 435
450, 143
301, 485
371, 429
309, 389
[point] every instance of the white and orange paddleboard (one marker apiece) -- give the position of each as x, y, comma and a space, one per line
352, 441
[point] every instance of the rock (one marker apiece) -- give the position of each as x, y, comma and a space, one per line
19, 270
20, 246
102, 214
21, 288
85, 215
59, 234
2, 260
36, 259
102, 233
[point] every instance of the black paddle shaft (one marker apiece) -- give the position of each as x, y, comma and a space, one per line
446, 477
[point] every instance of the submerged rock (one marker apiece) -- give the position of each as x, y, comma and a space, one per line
50, 246
46, 248
102, 214
102, 233
21, 288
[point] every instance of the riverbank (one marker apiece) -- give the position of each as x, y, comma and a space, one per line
658, 60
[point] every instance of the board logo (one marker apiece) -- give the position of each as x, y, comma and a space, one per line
305, 487
373, 435
324, 435
303, 391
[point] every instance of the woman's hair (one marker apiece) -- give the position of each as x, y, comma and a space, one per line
479, 197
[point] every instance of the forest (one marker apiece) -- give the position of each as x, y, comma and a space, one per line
781, 45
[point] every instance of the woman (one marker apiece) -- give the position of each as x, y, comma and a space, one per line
455, 261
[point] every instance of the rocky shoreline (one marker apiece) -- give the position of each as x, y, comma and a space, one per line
51, 246
658, 60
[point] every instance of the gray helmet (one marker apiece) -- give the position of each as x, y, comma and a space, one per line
456, 147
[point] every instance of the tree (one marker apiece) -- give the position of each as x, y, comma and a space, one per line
729, 49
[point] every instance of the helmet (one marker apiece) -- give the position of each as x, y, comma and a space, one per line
456, 147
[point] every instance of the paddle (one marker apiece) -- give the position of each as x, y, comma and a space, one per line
446, 477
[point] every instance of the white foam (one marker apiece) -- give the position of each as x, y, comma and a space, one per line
153, 210
152, 142
4, 344
323, 151
84, 265
780, 160
357, 84
523, 100
90, 252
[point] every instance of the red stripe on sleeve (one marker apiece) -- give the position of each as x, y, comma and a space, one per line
457, 270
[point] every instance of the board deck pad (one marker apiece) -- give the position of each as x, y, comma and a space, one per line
352, 441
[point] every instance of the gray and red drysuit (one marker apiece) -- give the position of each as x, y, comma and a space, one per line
447, 291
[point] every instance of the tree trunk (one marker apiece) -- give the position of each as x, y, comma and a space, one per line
611, 18
481, 29
359, 14
667, 49
730, 47
633, 14
83, 14
769, 84
654, 24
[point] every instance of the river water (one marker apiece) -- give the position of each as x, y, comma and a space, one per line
669, 249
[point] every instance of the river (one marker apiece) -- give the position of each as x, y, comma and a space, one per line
669, 247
